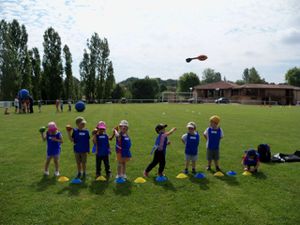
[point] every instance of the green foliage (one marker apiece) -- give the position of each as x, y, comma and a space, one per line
210, 76
68, 71
270, 197
36, 73
110, 81
251, 76
145, 89
118, 92
52, 65
292, 76
187, 81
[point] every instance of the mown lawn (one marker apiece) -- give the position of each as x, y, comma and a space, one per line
271, 197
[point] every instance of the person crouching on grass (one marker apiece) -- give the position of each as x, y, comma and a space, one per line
81, 139
213, 135
101, 142
251, 161
191, 140
54, 141
159, 149
123, 145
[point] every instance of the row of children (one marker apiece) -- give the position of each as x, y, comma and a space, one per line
80, 137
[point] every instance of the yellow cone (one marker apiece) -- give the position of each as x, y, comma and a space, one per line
139, 180
247, 173
219, 174
101, 178
63, 179
181, 176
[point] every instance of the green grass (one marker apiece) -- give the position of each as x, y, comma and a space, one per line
271, 197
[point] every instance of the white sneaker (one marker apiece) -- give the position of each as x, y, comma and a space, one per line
124, 176
117, 176
56, 173
46, 173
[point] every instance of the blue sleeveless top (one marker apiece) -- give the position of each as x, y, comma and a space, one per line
103, 144
53, 147
81, 140
192, 143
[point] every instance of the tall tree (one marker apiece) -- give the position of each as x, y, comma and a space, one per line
145, 88
52, 64
292, 76
77, 89
251, 76
87, 78
103, 64
68, 72
27, 74
94, 48
110, 81
118, 92
36, 73
187, 81
210, 76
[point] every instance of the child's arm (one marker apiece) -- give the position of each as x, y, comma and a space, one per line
183, 138
60, 139
112, 136
205, 134
94, 139
171, 131
70, 136
43, 136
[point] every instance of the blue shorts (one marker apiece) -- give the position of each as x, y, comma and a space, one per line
212, 154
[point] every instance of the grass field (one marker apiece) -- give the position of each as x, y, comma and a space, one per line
271, 197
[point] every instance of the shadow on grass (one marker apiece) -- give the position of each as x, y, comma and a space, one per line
44, 183
230, 180
260, 175
98, 187
123, 189
73, 189
203, 183
167, 185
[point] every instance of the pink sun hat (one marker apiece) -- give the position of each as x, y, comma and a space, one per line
52, 127
101, 125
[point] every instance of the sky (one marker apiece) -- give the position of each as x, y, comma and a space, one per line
153, 38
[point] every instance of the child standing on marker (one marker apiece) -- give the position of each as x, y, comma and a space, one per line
159, 149
213, 135
81, 139
251, 161
123, 145
191, 140
101, 142
54, 141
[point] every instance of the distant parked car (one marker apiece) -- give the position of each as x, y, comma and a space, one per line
222, 100
123, 100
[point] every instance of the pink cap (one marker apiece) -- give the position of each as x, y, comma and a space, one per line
101, 125
52, 127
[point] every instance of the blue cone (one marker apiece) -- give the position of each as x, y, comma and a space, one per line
200, 175
231, 173
120, 180
161, 178
76, 181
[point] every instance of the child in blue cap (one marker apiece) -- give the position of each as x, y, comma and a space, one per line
251, 161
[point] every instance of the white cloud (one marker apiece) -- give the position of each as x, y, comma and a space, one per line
154, 37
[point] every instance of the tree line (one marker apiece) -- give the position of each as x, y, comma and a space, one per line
50, 76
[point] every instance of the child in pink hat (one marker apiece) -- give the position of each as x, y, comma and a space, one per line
102, 149
54, 141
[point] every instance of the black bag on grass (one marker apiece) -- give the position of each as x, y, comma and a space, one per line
264, 152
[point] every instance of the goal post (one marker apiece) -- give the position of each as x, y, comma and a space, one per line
178, 97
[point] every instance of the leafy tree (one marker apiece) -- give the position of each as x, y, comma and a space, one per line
145, 88
36, 73
188, 80
52, 64
118, 92
27, 74
251, 76
77, 89
110, 81
210, 76
88, 78
68, 72
292, 76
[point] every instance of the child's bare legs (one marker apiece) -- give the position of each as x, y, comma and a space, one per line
217, 165
56, 163
47, 163
78, 167
208, 165
124, 169
119, 169
194, 165
187, 164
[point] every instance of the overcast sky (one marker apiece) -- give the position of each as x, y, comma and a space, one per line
154, 37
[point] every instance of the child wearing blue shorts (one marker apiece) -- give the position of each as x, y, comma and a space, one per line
54, 141
213, 135
191, 140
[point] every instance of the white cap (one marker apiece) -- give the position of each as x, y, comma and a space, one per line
124, 123
191, 125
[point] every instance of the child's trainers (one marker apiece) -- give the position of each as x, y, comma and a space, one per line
83, 175
78, 175
218, 169
46, 173
208, 168
185, 171
194, 171
145, 174
56, 173
124, 176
